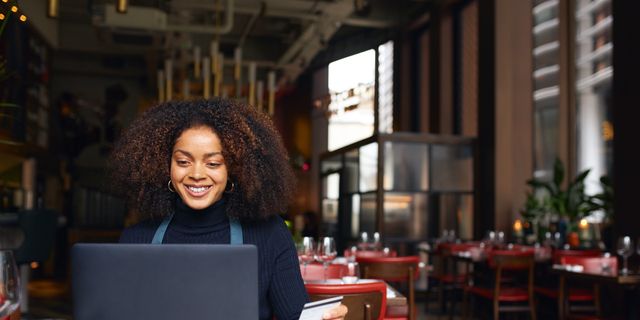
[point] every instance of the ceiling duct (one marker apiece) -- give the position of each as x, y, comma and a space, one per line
153, 19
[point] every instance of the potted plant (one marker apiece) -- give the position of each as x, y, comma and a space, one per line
571, 204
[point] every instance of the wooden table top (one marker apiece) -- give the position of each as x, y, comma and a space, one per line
398, 300
596, 275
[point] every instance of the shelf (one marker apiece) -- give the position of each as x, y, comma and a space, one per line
546, 93
606, 23
595, 79
605, 50
592, 6
545, 48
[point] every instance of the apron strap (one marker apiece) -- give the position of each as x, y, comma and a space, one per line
234, 226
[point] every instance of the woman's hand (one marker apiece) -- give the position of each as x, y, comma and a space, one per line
337, 313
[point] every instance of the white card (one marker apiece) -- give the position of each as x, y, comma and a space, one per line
315, 310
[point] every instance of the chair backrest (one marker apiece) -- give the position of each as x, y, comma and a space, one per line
510, 259
315, 271
39, 227
557, 254
393, 269
591, 263
364, 300
389, 269
370, 254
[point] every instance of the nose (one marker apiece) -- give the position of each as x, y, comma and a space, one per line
198, 172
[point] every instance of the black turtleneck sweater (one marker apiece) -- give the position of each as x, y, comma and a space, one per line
281, 289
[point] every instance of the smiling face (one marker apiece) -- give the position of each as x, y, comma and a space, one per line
198, 172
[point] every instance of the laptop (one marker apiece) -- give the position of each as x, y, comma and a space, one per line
168, 281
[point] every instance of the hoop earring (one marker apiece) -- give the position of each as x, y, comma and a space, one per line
232, 186
169, 186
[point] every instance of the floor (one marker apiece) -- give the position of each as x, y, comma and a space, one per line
52, 300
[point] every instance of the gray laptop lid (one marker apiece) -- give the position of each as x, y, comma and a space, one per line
168, 281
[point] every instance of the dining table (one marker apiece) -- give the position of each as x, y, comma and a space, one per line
394, 298
629, 283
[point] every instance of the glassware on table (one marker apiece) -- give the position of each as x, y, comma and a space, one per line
452, 236
500, 238
9, 284
376, 242
352, 254
363, 241
350, 273
326, 252
557, 240
625, 249
306, 254
445, 236
604, 263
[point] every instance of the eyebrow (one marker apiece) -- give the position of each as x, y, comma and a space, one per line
210, 154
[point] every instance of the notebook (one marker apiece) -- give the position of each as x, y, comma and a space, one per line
167, 281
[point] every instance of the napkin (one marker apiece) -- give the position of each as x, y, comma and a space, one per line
390, 293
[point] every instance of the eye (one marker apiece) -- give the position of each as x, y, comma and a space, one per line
182, 162
214, 165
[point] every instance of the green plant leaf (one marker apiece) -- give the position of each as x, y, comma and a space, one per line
6, 115
558, 173
13, 143
10, 105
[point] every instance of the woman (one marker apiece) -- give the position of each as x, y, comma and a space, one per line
201, 169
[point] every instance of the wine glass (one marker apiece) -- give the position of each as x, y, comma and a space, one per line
445, 236
557, 240
500, 239
363, 241
306, 253
625, 249
376, 242
350, 273
9, 284
325, 253
452, 236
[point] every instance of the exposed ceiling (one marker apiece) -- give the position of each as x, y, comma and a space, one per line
278, 34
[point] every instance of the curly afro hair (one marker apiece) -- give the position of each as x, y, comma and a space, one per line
253, 151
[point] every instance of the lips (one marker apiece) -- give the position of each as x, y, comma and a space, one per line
198, 191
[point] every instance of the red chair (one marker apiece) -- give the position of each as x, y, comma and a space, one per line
575, 294
445, 278
315, 271
505, 260
370, 254
594, 264
394, 269
557, 254
364, 300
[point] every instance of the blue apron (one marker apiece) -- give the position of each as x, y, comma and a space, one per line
234, 225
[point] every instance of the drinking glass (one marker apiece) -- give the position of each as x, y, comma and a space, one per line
445, 236
376, 242
350, 273
452, 236
625, 249
557, 240
325, 253
9, 284
500, 238
363, 241
306, 254
352, 254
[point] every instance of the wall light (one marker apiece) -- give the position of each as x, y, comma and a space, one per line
1, 16
14, 9
53, 7
23, 18
121, 6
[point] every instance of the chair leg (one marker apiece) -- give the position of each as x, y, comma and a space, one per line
532, 308
496, 310
24, 280
452, 298
473, 306
440, 297
464, 303
596, 299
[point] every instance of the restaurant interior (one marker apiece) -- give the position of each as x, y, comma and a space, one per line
460, 152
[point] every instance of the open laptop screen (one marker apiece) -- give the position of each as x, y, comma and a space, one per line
168, 281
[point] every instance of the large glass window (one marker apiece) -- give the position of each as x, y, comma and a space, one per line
546, 88
352, 90
594, 72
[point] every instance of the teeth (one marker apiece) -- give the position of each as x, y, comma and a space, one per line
198, 190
